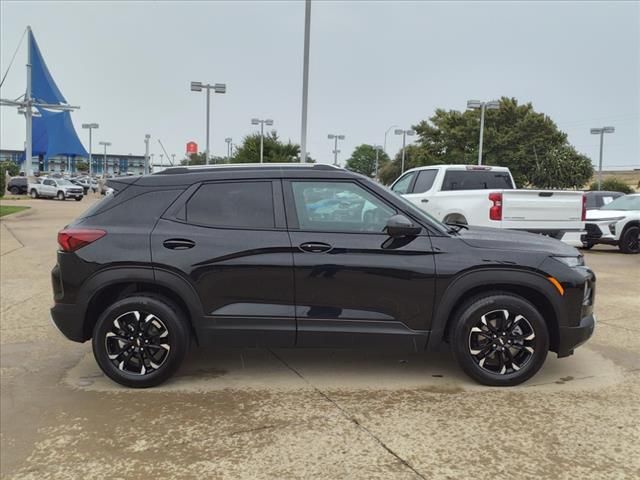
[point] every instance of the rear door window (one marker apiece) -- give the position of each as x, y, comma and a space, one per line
232, 204
476, 180
424, 182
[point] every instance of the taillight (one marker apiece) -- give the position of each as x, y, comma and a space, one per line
71, 239
584, 207
495, 212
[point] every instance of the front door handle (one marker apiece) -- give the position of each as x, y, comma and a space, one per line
178, 244
425, 200
315, 247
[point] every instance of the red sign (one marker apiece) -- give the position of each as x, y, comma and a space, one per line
192, 147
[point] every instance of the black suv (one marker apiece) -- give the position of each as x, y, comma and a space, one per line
18, 186
307, 256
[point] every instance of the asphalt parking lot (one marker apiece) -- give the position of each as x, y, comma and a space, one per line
307, 413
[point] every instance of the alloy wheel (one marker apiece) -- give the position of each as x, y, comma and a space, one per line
137, 342
502, 342
633, 241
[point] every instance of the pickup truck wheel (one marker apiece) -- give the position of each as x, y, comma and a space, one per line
78, 199
14, 190
33, 193
60, 195
587, 246
140, 341
500, 339
630, 240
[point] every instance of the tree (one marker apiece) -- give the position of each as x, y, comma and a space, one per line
515, 136
363, 160
612, 184
275, 151
82, 166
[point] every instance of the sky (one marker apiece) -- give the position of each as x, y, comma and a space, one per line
373, 64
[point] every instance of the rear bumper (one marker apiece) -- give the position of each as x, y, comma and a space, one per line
69, 320
572, 337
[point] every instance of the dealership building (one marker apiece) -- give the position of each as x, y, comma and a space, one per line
111, 164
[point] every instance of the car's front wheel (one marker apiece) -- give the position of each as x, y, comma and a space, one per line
140, 341
630, 240
500, 339
78, 199
34, 193
60, 195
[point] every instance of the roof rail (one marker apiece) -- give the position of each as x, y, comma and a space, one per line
205, 168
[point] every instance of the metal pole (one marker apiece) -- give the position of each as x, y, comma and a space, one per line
208, 109
90, 158
600, 162
146, 154
335, 150
28, 154
305, 80
377, 153
261, 141
104, 170
385, 137
481, 133
404, 142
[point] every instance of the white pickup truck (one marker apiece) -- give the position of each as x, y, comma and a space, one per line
56, 188
487, 196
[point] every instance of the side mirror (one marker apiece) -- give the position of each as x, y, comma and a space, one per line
401, 226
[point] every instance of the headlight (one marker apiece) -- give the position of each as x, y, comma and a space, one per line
571, 261
615, 219
612, 228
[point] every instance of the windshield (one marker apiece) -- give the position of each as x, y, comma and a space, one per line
627, 202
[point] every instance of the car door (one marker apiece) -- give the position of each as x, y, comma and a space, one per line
228, 241
48, 188
355, 285
418, 191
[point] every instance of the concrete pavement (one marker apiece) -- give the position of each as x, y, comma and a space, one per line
306, 413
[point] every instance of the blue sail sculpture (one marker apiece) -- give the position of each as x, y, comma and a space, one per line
53, 131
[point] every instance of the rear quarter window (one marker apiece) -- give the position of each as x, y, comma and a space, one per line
476, 180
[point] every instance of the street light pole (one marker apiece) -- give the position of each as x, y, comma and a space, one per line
385, 137
90, 127
305, 80
228, 140
146, 153
261, 122
482, 106
335, 138
217, 88
601, 132
105, 145
404, 134
377, 147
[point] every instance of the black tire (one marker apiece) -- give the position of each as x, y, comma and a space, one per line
587, 246
33, 193
78, 199
510, 360
140, 371
60, 195
14, 190
630, 240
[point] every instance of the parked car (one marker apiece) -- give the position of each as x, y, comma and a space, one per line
599, 198
18, 186
617, 223
81, 183
233, 256
56, 188
487, 196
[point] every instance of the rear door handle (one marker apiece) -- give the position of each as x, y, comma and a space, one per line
179, 244
315, 247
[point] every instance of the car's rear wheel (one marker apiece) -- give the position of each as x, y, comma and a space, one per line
140, 341
500, 339
60, 195
14, 190
630, 240
34, 193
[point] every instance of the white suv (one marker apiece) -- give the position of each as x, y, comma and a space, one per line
617, 223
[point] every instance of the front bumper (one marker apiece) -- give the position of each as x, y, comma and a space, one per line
69, 320
74, 194
572, 337
600, 232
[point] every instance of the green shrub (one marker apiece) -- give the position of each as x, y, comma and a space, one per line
612, 184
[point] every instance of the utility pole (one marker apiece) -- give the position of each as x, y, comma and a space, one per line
305, 80
482, 106
146, 153
90, 127
404, 134
601, 132
261, 122
217, 88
